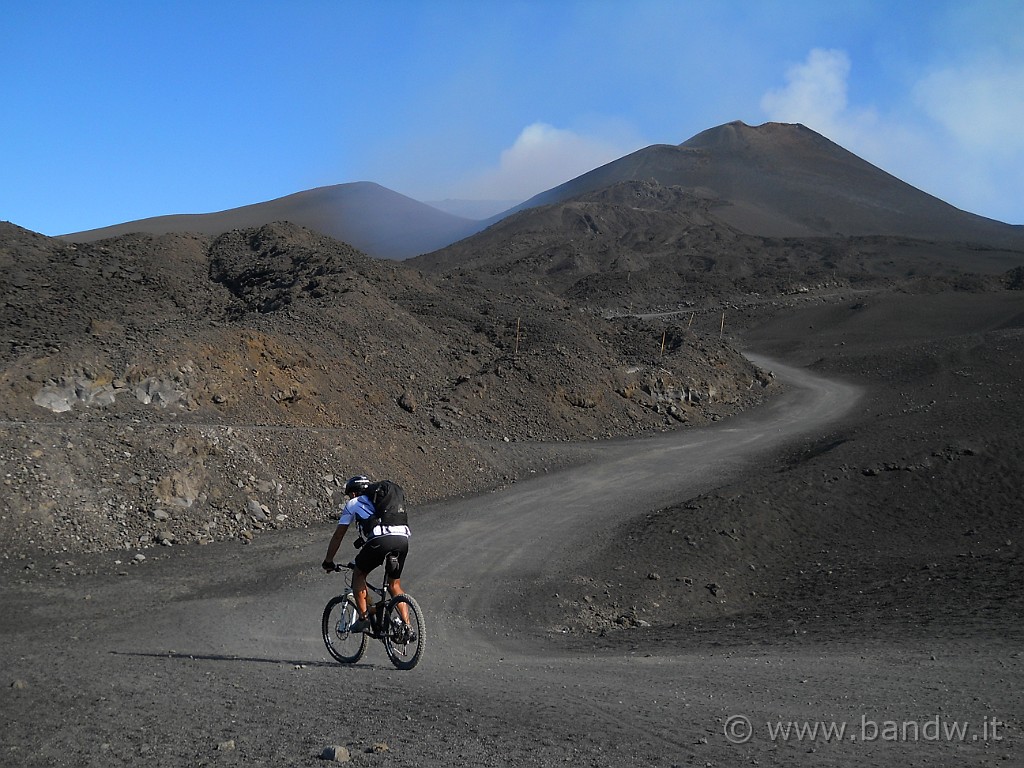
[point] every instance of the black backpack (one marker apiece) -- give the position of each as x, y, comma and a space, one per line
388, 500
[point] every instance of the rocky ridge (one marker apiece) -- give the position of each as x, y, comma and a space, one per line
182, 388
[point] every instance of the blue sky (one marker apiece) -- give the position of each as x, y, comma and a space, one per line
121, 110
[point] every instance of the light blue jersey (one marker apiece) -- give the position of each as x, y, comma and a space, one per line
361, 509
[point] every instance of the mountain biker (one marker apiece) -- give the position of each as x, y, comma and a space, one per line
379, 542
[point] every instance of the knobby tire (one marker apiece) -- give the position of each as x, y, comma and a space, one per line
339, 614
404, 654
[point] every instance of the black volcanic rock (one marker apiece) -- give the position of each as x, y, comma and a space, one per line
186, 379
159, 385
643, 244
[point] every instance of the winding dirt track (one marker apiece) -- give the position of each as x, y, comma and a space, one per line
468, 555
212, 655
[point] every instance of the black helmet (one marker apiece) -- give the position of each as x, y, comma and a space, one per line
357, 486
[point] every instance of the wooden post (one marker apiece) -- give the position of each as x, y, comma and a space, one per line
663, 334
692, 315
721, 331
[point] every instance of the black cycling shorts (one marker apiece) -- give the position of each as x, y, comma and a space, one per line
376, 549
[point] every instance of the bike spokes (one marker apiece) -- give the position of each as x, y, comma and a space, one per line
403, 641
343, 644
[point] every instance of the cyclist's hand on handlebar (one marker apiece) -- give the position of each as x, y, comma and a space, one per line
328, 566
358, 543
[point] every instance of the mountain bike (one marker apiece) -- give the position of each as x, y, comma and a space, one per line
403, 642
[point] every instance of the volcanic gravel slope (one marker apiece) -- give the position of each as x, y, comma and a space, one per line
171, 389
634, 545
846, 556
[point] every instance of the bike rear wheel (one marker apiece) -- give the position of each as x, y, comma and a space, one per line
404, 643
339, 614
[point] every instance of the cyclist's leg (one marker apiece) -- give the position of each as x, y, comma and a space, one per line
359, 591
395, 586
401, 548
369, 557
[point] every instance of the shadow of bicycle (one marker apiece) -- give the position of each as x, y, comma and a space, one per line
297, 663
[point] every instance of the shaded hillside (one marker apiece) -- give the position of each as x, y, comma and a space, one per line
643, 245
774, 180
783, 180
198, 388
372, 218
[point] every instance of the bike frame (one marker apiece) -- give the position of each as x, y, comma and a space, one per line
396, 621
374, 612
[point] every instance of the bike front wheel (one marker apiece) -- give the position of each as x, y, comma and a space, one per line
340, 614
404, 642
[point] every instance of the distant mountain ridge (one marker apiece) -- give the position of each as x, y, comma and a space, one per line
372, 218
785, 180
772, 180
473, 209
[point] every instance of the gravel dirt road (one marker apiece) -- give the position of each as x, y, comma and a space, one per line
212, 656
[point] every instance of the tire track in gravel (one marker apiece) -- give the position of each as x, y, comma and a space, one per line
467, 556
473, 550
246, 620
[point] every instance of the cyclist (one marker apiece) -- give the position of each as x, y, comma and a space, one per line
375, 544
